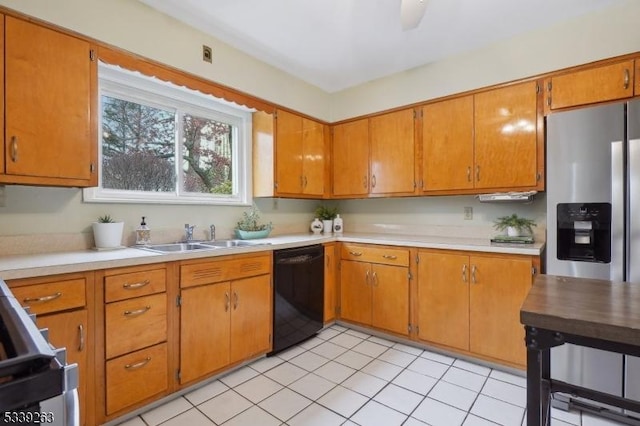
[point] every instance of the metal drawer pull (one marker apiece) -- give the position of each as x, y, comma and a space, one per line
235, 300
469, 174
355, 253
227, 302
137, 312
133, 286
138, 364
14, 149
473, 274
464, 273
389, 256
43, 298
81, 337
627, 78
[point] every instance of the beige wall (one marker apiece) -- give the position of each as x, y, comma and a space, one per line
604, 34
133, 26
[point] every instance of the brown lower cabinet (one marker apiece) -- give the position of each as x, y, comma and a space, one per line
470, 302
225, 313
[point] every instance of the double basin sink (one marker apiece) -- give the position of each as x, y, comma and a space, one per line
199, 246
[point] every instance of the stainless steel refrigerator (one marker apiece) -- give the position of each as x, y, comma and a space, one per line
593, 225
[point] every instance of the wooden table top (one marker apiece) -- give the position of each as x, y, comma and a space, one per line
585, 307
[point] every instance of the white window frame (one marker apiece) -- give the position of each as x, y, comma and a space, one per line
133, 86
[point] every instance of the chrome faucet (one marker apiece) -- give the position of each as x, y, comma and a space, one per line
212, 230
188, 232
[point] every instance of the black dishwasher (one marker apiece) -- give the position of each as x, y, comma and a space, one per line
298, 297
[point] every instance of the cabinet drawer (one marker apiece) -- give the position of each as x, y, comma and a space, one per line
134, 284
53, 296
193, 274
376, 254
135, 377
135, 323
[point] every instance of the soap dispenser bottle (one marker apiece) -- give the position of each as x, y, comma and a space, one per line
143, 234
337, 225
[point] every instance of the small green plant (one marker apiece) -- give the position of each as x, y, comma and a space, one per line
250, 221
326, 213
513, 221
105, 219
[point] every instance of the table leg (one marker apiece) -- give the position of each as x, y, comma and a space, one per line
534, 385
545, 376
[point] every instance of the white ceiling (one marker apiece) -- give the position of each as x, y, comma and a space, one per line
336, 44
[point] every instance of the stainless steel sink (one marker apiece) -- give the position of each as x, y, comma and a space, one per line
178, 247
233, 243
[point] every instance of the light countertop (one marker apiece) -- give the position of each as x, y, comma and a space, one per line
34, 265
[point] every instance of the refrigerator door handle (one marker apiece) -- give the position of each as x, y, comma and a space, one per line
633, 241
617, 212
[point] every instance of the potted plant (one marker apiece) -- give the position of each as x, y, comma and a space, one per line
249, 226
107, 233
326, 215
514, 225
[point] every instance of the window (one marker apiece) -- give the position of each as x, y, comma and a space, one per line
160, 143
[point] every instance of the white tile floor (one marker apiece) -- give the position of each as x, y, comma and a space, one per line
346, 377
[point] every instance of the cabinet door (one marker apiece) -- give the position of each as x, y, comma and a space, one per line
350, 159
393, 153
289, 178
594, 85
69, 330
251, 315
329, 282
48, 95
390, 298
313, 152
506, 137
204, 330
447, 136
443, 299
498, 288
355, 291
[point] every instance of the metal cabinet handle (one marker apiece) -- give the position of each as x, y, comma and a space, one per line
468, 173
136, 312
355, 253
366, 277
389, 256
235, 300
375, 279
227, 302
14, 149
373, 181
305, 182
364, 182
134, 286
473, 274
464, 273
42, 298
80, 337
478, 173
627, 78
138, 364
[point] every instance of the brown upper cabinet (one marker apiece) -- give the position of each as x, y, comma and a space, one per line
50, 98
593, 85
300, 156
484, 141
375, 156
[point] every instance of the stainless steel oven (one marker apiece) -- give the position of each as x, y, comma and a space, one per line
36, 384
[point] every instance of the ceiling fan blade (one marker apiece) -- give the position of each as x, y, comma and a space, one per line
411, 13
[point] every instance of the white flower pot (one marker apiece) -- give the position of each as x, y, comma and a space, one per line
513, 232
108, 235
327, 226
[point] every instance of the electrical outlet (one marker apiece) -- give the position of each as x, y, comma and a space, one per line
468, 213
207, 54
